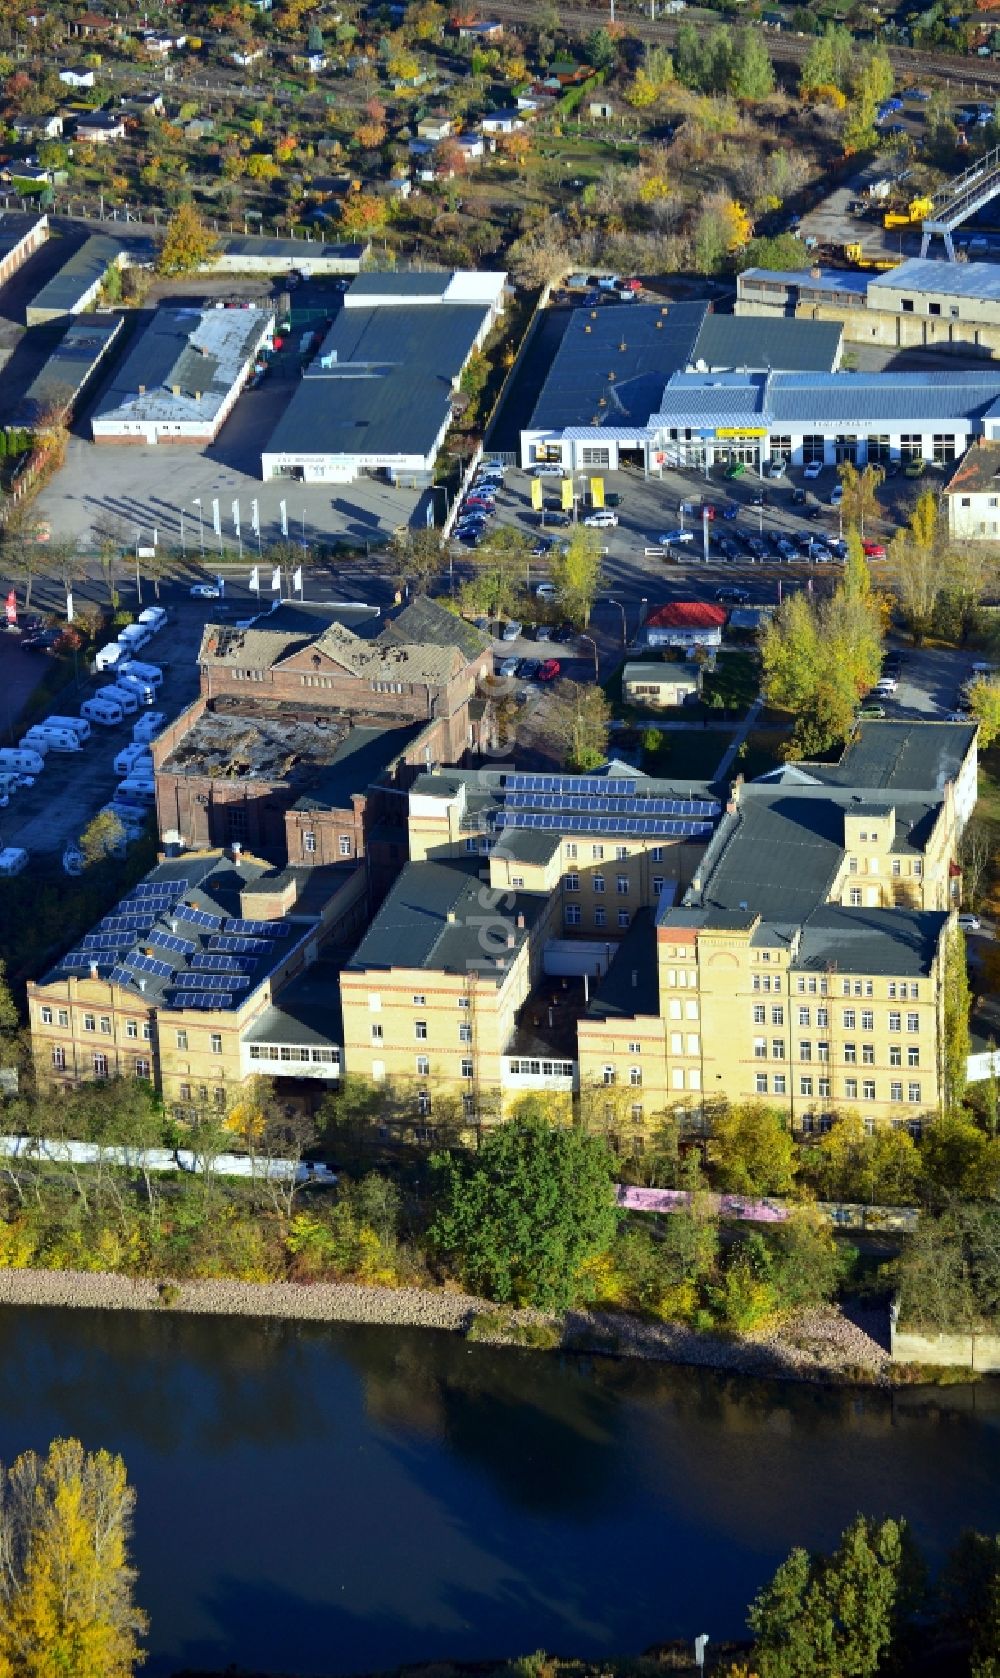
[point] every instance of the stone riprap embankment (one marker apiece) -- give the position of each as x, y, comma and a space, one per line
815, 1346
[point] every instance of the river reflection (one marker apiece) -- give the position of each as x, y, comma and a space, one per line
341, 1499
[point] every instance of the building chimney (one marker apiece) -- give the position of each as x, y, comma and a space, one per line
511, 940
93, 970
635, 978
520, 921
450, 917
237, 850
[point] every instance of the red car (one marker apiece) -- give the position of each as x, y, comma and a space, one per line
549, 670
874, 550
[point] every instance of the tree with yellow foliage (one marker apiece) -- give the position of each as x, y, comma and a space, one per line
186, 244
66, 1603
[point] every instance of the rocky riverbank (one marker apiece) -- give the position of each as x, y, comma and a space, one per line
822, 1345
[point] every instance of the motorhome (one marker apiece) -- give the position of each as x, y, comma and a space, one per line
134, 757
149, 672
103, 710
149, 726
111, 655
136, 790
21, 760
134, 636
126, 697
59, 739
154, 617
138, 684
79, 724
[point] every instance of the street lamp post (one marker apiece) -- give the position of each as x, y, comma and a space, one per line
201, 524
184, 552
591, 642
622, 611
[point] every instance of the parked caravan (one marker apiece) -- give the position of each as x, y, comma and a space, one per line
111, 655
21, 760
132, 816
59, 739
138, 684
149, 726
79, 724
149, 672
13, 860
136, 790
126, 697
154, 617
134, 636
133, 757
103, 710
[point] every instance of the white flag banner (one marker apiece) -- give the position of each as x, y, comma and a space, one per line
297, 578
255, 517
255, 579
276, 580
216, 518
283, 513
236, 517
69, 606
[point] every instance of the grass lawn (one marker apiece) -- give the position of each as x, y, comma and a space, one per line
735, 681
989, 784
690, 754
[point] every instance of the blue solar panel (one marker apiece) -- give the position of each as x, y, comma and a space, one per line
207, 962
122, 976
149, 964
78, 958
212, 981
258, 929
613, 786
614, 806
646, 827
105, 941
129, 925
170, 941
238, 946
154, 888
202, 999
197, 917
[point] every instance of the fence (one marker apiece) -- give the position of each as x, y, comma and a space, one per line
845, 1215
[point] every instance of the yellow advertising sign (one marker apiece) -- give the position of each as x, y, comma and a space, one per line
741, 431
536, 494
597, 492
567, 495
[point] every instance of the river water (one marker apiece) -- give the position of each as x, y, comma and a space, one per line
336, 1499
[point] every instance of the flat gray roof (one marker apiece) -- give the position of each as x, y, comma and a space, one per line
871, 941
433, 919
79, 351
613, 363
13, 228
382, 382
953, 279
183, 365
793, 346
918, 756
89, 262
827, 279
295, 250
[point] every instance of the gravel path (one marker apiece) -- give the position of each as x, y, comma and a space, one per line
821, 1345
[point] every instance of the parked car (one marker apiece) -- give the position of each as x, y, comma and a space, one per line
549, 669
672, 538
969, 923
528, 669
558, 519
736, 596
874, 550
513, 630
548, 470
836, 495
508, 667
798, 496
206, 591
543, 632
603, 519
737, 470
915, 468
546, 591
870, 710
886, 686
564, 632
812, 469
539, 549
730, 510
775, 467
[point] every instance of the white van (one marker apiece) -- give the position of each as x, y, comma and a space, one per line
80, 724
111, 655
59, 739
134, 757
135, 789
149, 726
134, 636
149, 672
105, 711
21, 760
154, 617
13, 860
138, 684
126, 697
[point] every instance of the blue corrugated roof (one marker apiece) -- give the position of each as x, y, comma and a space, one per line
828, 279
954, 279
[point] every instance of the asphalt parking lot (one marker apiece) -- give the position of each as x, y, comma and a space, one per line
74, 785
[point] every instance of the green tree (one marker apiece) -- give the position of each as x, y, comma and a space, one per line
575, 569
751, 73
915, 566
874, 72
958, 1158
828, 63
957, 1003
838, 1616
520, 1218
102, 837
859, 124
970, 1600
575, 724
66, 1583
601, 50
846, 1163
752, 1150
781, 251
860, 488
984, 708
186, 244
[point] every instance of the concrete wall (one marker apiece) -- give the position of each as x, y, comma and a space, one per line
966, 1350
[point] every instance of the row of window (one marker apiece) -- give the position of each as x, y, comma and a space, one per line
541, 1068
420, 1032
272, 1051
597, 883
848, 1052
218, 1094
375, 1001
896, 866
574, 916
215, 1040
850, 1017
812, 984
776, 1083
610, 1076
141, 1067
622, 852
134, 1029
345, 844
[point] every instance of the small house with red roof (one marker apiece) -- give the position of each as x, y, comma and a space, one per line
684, 623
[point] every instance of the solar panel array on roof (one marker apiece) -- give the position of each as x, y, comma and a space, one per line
106, 941
610, 786
149, 964
237, 946
197, 917
122, 976
261, 929
211, 981
128, 924
166, 890
614, 806
170, 941
651, 826
79, 958
203, 999
208, 962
